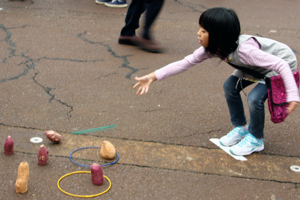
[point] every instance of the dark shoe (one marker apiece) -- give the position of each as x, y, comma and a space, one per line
149, 45
129, 40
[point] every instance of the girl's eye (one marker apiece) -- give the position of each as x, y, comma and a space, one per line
203, 30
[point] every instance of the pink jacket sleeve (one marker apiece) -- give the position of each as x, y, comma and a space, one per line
182, 65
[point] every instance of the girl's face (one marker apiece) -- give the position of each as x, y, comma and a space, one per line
203, 37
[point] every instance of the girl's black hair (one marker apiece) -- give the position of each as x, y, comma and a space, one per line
224, 29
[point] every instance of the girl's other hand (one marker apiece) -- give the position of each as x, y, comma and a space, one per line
144, 82
292, 106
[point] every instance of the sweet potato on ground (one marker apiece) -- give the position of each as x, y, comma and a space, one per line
23, 176
53, 136
107, 150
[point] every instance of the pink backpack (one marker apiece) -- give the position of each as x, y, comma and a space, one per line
277, 97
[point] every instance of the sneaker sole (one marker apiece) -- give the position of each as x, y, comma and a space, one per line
225, 145
246, 154
115, 6
100, 3
229, 145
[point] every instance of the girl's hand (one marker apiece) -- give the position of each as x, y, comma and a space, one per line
292, 106
144, 83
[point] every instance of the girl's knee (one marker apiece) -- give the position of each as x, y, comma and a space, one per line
230, 84
229, 88
253, 101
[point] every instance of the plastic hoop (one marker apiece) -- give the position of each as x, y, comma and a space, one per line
90, 165
85, 196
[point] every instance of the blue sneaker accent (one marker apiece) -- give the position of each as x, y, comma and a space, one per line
247, 146
102, 1
117, 4
234, 136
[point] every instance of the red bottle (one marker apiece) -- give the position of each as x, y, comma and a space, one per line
8, 146
42, 155
97, 174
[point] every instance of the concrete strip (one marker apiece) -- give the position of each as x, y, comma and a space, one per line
172, 157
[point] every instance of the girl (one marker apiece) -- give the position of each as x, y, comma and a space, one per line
219, 36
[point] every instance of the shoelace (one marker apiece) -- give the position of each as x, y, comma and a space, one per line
245, 140
233, 131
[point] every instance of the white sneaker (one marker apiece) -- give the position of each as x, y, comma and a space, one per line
247, 146
234, 136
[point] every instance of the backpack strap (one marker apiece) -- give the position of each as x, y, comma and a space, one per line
248, 71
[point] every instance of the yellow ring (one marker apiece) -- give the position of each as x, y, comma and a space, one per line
85, 196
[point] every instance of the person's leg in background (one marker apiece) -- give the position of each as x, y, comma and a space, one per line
128, 33
153, 8
134, 12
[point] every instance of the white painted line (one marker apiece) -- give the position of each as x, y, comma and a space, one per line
226, 149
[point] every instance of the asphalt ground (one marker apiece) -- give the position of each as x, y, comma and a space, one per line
62, 69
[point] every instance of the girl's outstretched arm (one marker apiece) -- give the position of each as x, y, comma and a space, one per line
144, 82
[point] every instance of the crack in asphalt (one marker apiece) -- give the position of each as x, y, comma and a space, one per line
113, 53
30, 65
72, 60
48, 92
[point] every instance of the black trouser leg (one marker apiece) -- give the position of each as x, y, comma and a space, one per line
153, 8
134, 12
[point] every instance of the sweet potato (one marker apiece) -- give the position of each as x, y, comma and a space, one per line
97, 174
23, 176
53, 136
8, 146
42, 155
107, 150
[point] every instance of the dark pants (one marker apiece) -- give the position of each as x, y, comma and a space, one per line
134, 12
256, 99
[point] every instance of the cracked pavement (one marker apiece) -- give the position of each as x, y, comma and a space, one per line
62, 69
